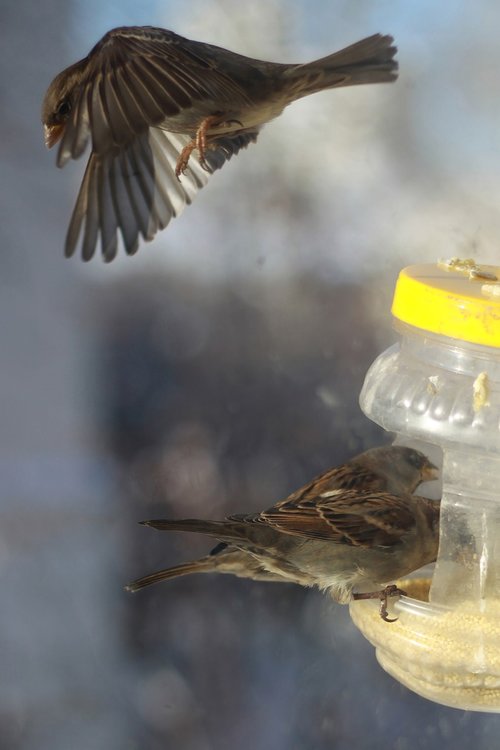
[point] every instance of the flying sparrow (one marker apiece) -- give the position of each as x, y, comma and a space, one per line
355, 525
164, 112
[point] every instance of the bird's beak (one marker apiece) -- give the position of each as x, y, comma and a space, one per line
52, 134
430, 473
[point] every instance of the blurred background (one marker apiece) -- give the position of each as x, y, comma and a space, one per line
215, 372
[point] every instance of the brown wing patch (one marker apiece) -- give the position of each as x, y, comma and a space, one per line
364, 519
350, 476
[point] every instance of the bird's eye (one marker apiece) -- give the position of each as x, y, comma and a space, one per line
416, 459
64, 108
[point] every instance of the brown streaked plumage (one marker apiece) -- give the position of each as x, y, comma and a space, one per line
390, 468
164, 112
357, 524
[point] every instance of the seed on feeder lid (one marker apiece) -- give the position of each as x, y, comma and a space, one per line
479, 273
465, 265
491, 289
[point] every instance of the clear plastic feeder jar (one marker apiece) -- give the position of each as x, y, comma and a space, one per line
440, 385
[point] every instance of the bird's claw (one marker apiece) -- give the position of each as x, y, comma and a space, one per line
391, 590
199, 142
383, 595
203, 163
183, 160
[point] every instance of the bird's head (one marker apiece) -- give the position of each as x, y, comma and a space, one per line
404, 468
411, 467
59, 101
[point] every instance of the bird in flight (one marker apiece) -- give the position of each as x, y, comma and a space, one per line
163, 113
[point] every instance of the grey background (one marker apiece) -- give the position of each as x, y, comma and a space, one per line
215, 372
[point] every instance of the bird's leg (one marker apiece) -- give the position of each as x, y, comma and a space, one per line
198, 142
201, 136
383, 595
183, 159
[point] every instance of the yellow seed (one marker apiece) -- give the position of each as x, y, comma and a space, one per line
479, 273
493, 290
450, 656
480, 391
462, 265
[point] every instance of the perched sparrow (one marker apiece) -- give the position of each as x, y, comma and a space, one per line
164, 112
355, 525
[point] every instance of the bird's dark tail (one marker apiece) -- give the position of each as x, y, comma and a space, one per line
369, 61
226, 531
204, 565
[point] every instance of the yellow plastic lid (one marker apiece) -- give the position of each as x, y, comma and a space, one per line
455, 298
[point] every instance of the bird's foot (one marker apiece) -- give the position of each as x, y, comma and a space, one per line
183, 160
200, 143
383, 595
201, 137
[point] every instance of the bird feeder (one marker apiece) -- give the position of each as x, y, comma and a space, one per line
440, 385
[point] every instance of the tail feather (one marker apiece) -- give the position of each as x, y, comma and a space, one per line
236, 530
223, 530
370, 60
375, 50
204, 565
228, 560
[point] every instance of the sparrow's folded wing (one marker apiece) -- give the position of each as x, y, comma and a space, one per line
366, 519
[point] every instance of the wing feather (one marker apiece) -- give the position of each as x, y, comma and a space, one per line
367, 519
133, 82
134, 191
